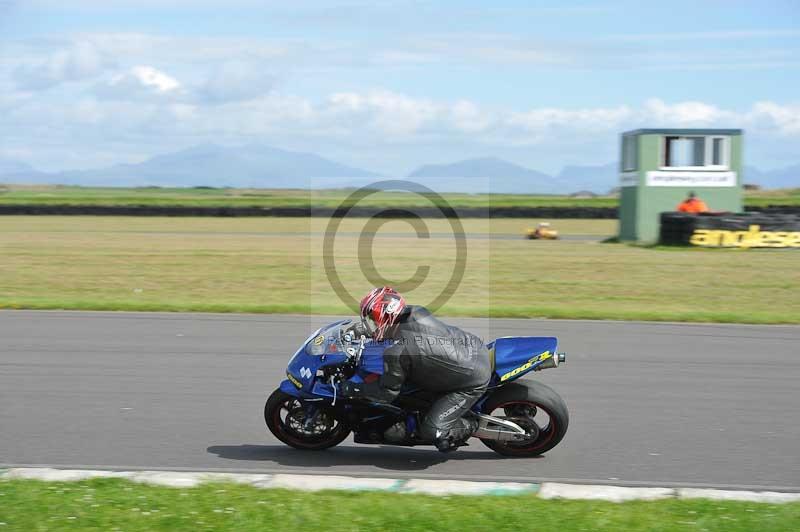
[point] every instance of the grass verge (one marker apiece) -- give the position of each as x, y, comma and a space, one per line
533, 312
275, 265
215, 197
114, 504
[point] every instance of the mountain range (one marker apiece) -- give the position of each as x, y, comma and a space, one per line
218, 166
259, 166
486, 174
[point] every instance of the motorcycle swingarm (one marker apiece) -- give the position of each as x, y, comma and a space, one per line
495, 428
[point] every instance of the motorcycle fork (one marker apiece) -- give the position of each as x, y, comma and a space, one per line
311, 416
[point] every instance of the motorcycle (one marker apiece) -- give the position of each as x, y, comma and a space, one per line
515, 417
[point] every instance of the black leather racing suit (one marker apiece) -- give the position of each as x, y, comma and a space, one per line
437, 357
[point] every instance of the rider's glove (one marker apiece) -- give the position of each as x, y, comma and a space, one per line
350, 389
355, 330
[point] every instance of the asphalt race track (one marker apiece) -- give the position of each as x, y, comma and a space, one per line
655, 404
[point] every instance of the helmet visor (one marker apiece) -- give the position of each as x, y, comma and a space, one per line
369, 325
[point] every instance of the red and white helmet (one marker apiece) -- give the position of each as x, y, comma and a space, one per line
380, 310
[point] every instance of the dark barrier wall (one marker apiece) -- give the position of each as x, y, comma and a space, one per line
748, 230
366, 212
301, 212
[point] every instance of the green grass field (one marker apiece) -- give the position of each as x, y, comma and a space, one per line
70, 195
113, 504
275, 265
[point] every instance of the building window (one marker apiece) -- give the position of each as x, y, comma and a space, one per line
719, 152
630, 154
684, 151
695, 152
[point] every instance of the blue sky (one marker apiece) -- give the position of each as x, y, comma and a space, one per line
389, 85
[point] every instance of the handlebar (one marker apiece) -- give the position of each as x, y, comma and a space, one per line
353, 352
361, 345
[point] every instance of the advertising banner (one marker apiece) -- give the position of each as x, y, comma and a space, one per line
690, 179
749, 230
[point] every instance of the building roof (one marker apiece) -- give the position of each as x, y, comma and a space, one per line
684, 131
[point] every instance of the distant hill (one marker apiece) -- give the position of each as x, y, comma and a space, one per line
597, 178
8, 166
788, 177
260, 166
219, 166
12, 171
487, 174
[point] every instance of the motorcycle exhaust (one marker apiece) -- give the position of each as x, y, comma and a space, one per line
495, 428
552, 362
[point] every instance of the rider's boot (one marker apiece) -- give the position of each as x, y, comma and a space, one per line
457, 436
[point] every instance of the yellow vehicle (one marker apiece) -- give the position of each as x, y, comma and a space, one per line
543, 231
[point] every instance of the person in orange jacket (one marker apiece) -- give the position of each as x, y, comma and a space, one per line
692, 204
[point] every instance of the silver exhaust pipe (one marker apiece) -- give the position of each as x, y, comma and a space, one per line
552, 362
495, 428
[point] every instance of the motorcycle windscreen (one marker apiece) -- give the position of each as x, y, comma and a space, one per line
516, 355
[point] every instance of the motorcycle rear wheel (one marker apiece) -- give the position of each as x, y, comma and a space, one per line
282, 414
518, 400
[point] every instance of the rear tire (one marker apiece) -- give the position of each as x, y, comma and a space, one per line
285, 427
526, 394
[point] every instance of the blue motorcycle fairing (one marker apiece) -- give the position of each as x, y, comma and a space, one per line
323, 348
287, 387
372, 359
515, 356
318, 390
319, 350
304, 367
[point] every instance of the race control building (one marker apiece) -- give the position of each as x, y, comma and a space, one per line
659, 167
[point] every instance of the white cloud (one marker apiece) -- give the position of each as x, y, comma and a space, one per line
152, 79
149, 110
595, 120
197, 50
224, 69
269, 114
685, 113
469, 117
79, 61
378, 115
396, 115
769, 115
387, 112
481, 48
236, 80
137, 83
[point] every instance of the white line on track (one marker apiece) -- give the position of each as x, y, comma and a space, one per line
420, 475
547, 490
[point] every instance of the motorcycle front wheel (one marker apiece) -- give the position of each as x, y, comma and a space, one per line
533, 406
293, 423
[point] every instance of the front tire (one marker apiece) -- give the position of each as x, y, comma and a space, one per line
534, 406
285, 418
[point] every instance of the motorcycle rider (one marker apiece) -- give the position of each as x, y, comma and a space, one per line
429, 354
